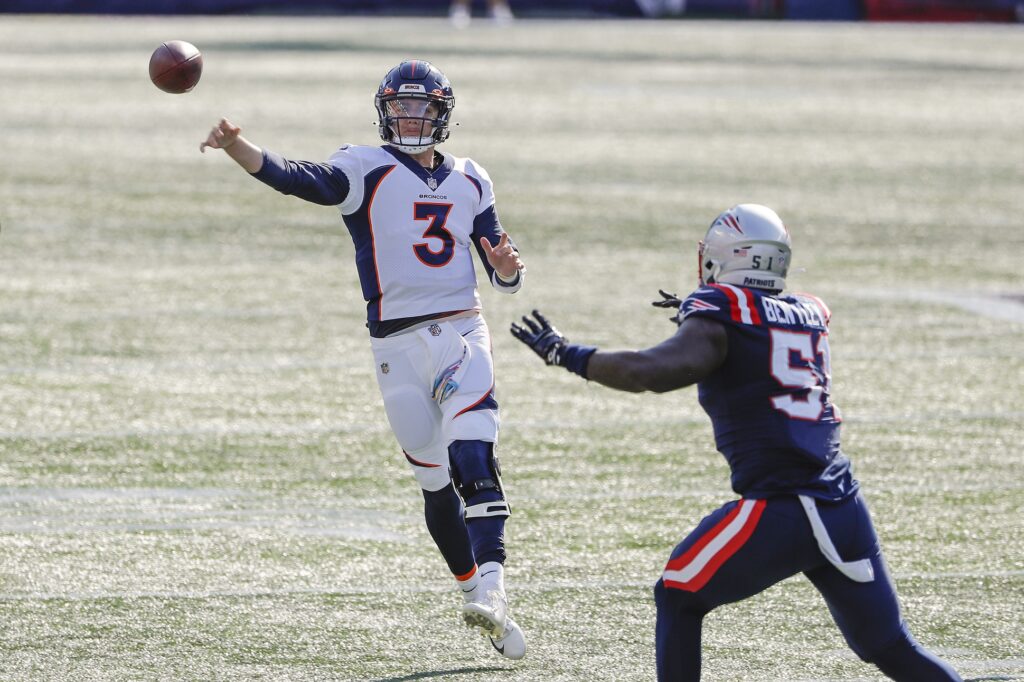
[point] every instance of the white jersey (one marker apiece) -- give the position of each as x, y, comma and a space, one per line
413, 229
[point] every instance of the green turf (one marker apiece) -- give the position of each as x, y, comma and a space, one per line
196, 478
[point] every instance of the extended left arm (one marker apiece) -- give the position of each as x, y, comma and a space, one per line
696, 350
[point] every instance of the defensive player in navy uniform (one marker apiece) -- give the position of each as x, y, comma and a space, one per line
760, 360
415, 215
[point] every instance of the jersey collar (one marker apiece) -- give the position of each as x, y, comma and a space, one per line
438, 175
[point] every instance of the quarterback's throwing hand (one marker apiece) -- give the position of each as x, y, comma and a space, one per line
539, 335
223, 135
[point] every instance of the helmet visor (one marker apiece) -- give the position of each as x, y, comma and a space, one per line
412, 119
412, 107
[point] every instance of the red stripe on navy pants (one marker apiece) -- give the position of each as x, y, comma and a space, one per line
694, 568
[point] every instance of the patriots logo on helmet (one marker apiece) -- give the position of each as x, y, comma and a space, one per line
731, 221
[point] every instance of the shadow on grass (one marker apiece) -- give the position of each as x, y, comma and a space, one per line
439, 673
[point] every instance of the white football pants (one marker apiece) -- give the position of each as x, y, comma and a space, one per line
437, 384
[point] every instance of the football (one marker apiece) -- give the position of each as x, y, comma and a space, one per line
175, 66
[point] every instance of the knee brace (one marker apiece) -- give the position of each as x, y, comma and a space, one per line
477, 477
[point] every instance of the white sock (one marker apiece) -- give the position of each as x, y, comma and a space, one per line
492, 577
468, 586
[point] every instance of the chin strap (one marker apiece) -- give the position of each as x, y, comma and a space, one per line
411, 149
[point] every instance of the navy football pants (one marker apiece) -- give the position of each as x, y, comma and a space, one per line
748, 545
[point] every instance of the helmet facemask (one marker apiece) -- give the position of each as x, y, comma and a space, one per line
413, 123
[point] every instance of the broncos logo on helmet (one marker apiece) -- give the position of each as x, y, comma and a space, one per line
414, 91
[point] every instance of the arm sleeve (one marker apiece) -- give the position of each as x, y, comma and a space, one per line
486, 225
319, 183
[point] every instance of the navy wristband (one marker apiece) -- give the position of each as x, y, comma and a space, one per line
576, 358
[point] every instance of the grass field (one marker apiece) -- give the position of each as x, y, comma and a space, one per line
197, 481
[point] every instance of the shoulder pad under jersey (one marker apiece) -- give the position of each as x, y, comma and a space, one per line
723, 302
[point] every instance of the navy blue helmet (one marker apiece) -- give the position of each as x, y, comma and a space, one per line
414, 103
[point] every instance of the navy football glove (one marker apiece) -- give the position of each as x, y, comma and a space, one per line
551, 346
669, 301
542, 338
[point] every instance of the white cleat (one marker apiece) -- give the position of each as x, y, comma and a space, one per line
512, 643
489, 612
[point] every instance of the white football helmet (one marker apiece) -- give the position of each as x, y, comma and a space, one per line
747, 246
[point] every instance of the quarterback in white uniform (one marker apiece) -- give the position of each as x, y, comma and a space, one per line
414, 214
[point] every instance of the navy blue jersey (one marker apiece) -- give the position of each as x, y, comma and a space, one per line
770, 402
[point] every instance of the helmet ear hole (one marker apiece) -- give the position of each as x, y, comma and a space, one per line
709, 270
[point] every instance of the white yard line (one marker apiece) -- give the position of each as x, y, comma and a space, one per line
994, 306
520, 428
520, 587
246, 429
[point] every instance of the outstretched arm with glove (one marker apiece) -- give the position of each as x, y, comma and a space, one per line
672, 302
697, 348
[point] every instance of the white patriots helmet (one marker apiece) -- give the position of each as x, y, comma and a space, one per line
748, 246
